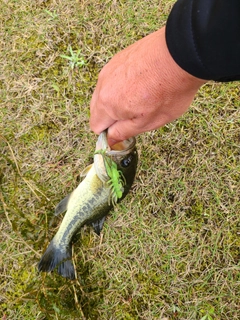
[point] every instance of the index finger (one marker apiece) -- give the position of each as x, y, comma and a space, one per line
99, 118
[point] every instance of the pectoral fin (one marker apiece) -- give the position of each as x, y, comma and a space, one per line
98, 225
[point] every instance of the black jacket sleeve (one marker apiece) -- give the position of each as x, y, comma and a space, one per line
203, 37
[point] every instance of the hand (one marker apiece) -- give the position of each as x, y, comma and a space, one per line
140, 89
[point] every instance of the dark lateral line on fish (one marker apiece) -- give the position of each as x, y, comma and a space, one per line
81, 215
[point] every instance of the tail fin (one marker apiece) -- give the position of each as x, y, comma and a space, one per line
56, 257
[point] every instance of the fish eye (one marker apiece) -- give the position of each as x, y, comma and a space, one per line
126, 161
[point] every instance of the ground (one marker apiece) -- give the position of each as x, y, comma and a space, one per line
170, 250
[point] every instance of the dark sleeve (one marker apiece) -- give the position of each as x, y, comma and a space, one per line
203, 37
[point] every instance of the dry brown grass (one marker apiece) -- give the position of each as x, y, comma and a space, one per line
171, 249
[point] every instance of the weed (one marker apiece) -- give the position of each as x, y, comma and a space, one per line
207, 315
75, 60
53, 15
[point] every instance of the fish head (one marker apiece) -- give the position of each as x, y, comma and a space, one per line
99, 165
123, 153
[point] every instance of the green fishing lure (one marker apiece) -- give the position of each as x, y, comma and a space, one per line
116, 180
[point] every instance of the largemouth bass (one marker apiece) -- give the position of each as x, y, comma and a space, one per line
91, 201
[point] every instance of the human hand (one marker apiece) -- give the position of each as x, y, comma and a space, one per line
141, 89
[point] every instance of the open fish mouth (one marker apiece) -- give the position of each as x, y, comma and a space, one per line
122, 148
116, 152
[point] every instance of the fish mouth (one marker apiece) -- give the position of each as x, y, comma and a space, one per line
102, 143
116, 152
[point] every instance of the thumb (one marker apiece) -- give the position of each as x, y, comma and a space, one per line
122, 130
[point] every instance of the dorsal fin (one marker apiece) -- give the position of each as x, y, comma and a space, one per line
62, 206
86, 170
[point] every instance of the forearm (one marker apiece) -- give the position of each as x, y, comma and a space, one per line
153, 81
203, 37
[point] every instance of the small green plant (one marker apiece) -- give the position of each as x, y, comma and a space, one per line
208, 314
75, 60
53, 14
116, 178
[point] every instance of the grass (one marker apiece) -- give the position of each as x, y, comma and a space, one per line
75, 59
171, 249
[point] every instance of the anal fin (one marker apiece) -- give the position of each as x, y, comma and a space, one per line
98, 225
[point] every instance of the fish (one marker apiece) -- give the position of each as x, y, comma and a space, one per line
90, 202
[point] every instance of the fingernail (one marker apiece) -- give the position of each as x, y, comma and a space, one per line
111, 142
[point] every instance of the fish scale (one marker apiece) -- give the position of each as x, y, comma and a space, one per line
94, 203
